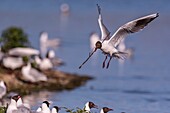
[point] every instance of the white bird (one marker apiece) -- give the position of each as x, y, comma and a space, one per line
108, 44
23, 51
21, 104
49, 62
3, 89
64, 8
47, 43
105, 110
32, 75
54, 60
45, 107
21, 108
13, 104
39, 109
94, 37
88, 106
55, 109
12, 62
44, 63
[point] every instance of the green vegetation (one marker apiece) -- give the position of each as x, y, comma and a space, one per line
77, 110
13, 37
2, 109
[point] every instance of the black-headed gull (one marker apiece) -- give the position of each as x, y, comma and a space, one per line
55, 109
105, 110
32, 75
108, 44
88, 106
45, 107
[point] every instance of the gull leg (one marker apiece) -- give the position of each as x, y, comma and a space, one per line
104, 61
109, 62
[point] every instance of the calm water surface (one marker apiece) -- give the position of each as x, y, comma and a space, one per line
140, 85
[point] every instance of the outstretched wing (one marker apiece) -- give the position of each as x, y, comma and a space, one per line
131, 27
104, 31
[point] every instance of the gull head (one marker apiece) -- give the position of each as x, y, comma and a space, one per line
106, 109
90, 105
46, 103
16, 97
98, 45
56, 109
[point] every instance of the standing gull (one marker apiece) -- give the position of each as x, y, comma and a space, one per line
88, 106
108, 44
13, 104
55, 109
32, 75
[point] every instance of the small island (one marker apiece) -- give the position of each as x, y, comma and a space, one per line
14, 37
57, 80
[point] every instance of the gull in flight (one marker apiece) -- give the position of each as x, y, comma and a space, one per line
108, 44
46, 43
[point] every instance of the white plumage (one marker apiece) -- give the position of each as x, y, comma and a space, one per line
32, 75
108, 44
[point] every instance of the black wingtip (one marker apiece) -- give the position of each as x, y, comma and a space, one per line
157, 14
98, 7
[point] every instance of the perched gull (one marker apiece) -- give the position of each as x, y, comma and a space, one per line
13, 104
23, 51
55, 60
105, 110
14, 107
12, 62
49, 62
32, 75
47, 43
45, 107
39, 109
21, 108
3, 89
88, 106
108, 44
55, 109
43, 63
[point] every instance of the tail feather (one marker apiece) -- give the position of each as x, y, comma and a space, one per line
121, 55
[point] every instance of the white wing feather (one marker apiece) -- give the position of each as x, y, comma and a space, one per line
104, 31
131, 27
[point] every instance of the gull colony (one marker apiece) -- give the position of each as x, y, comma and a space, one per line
16, 105
108, 44
29, 60
111, 46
